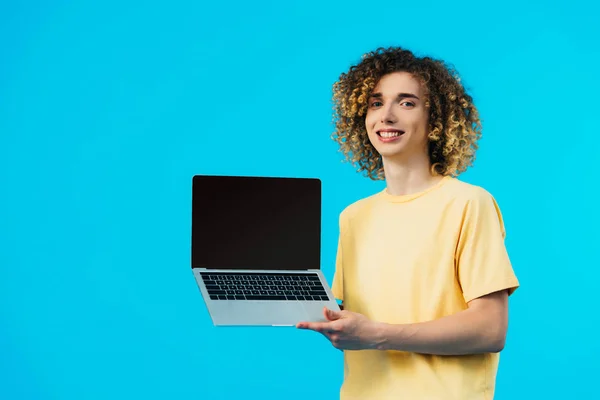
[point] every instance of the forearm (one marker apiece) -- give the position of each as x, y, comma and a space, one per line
467, 332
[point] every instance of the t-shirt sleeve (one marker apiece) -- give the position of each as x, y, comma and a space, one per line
483, 264
337, 286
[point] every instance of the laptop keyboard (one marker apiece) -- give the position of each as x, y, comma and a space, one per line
263, 286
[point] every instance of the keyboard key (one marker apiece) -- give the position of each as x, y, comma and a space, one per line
257, 297
266, 286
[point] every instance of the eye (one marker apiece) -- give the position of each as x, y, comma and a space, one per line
375, 103
410, 104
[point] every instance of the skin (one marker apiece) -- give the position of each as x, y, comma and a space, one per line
405, 161
398, 103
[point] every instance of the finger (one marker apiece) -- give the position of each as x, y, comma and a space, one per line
332, 315
315, 326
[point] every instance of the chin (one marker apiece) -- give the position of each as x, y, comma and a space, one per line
388, 151
391, 154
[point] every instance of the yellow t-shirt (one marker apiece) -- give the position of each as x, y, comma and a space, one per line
416, 258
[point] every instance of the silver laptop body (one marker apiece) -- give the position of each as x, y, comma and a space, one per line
256, 248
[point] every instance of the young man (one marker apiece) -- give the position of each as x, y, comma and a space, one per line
422, 269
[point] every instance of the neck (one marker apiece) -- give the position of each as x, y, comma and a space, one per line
405, 177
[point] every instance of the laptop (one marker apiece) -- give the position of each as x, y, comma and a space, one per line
256, 249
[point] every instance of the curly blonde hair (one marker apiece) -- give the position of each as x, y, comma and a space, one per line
454, 125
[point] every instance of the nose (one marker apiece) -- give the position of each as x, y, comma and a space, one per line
387, 115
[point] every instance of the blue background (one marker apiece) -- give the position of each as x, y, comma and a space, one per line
108, 108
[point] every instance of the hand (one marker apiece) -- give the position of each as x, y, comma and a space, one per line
346, 330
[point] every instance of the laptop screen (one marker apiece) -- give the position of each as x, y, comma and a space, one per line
256, 222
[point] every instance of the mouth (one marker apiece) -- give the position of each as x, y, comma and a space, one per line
389, 133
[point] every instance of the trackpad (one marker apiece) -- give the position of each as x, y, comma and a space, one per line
314, 312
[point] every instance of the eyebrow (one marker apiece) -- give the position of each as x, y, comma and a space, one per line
400, 96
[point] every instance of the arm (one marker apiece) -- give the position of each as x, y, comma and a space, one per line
479, 329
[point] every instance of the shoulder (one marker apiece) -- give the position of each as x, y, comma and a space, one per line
478, 206
358, 207
469, 194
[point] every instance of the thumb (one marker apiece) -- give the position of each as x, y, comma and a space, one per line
332, 315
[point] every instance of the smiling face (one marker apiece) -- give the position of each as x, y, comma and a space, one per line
397, 118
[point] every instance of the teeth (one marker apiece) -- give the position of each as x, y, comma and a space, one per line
389, 134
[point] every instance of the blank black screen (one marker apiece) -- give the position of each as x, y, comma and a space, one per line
256, 222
